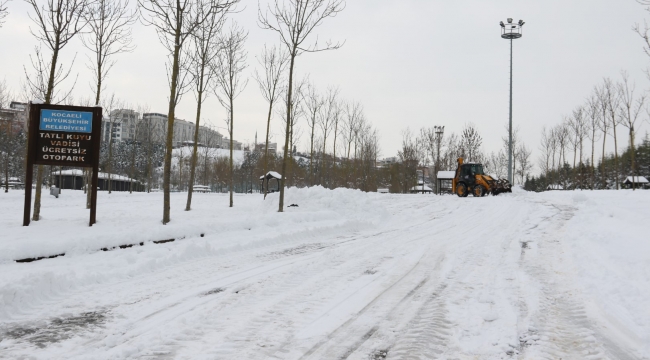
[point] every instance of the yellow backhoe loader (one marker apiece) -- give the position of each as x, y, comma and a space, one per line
470, 178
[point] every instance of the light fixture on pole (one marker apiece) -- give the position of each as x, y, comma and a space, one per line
439, 130
511, 32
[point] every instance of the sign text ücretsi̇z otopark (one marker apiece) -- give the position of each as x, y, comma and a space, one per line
63, 136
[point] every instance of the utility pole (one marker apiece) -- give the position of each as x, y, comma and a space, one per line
440, 130
511, 32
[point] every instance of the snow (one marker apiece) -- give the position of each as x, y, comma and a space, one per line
273, 174
346, 274
101, 175
446, 175
421, 188
636, 179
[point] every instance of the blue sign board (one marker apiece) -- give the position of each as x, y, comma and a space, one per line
66, 121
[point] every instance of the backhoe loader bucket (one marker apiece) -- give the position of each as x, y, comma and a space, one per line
501, 186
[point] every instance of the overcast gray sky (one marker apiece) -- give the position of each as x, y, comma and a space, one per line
411, 63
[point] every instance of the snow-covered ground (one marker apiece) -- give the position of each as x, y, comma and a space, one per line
345, 275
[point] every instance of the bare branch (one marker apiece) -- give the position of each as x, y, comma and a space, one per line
109, 23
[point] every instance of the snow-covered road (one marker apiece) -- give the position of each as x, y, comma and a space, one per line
345, 275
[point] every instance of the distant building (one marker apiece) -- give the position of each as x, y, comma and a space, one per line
183, 131
128, 125
225, 144
121, 124
15, 116
383, 163
273, 147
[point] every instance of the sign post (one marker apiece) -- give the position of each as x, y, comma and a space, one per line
63, 136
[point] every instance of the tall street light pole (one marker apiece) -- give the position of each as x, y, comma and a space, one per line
511, 32
440, 130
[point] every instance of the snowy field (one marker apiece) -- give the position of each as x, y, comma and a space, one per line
345, 275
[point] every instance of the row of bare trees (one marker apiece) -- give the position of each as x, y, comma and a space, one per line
295, 22
434, 150
585, 133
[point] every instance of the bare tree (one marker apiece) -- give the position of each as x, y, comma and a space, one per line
295, 21
523, 158
175, 21
274, 61
313, 105
109, 23
3, 11
577, 126
409, 158
630, 110
109, 105
593, 113
546, 146
352, 122
229, 83
562, 133
471, 142
297, 111
329, 109
57, 23
644, 32
603, 125
613, 99
204, 50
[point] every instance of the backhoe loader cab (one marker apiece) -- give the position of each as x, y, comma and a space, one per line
470, 178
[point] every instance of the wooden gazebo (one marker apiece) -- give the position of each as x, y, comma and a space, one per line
264, 180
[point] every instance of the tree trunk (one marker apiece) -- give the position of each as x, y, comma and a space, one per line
266, 147
7, 172
232, 143
286, 138
336, 127
602, 159
616, 170
311, 153
632, 158
593, 150
48, 99
170, 130
110, 158
199, 102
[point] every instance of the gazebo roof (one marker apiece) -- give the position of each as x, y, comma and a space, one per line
446, 175
271, 175
636, 180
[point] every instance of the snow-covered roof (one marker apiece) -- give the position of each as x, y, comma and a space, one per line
421, 188
446, 175
636, 179
273, 174
101, 175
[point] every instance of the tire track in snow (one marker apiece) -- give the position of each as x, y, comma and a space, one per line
562, 327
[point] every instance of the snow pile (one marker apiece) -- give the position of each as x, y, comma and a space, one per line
126, 219
608, 238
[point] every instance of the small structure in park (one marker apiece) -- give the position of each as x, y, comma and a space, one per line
74, 179
421, 189
638, 182
264, 179
13, 183
445, 179
201, 189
